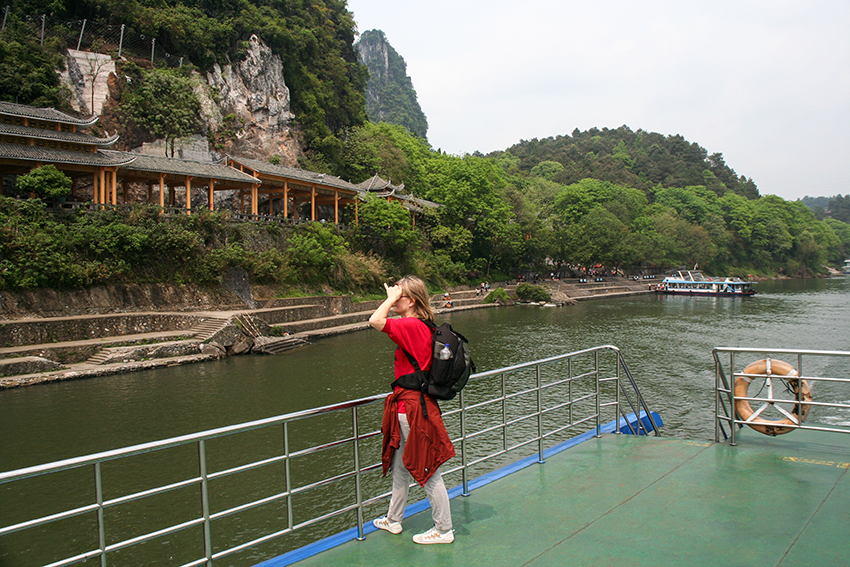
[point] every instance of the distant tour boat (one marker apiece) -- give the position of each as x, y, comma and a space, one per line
693, 282
847, 266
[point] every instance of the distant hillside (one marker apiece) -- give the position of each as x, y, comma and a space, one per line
637, 159
390, 96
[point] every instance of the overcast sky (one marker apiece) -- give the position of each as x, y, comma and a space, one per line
765, 83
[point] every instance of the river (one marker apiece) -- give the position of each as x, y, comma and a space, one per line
665, 340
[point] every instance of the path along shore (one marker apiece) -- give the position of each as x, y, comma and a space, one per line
47, 349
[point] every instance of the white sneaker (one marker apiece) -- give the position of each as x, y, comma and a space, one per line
435, 536
384, 523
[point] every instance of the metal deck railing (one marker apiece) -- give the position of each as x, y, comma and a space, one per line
329, 456
777, 393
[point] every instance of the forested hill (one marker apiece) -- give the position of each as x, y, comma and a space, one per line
635, 159
390, 96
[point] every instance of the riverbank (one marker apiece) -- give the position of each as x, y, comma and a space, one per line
46, 349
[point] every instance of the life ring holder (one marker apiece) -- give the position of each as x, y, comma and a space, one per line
769, 369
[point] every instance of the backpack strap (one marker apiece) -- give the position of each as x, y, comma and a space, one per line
418, 372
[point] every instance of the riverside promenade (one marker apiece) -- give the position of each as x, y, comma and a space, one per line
46, 349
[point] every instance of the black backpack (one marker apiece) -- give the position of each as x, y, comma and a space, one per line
446, 377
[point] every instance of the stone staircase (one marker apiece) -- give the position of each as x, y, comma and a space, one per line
207, 328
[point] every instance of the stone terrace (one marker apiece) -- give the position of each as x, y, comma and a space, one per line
37, 350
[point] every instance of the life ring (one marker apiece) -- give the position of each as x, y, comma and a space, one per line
769, 368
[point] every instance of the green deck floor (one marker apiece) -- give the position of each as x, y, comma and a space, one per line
641, 501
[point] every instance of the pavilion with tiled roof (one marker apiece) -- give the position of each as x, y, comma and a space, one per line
298, 186
159, 171
31, 137
384, 188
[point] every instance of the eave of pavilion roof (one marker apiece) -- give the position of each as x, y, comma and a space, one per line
377, 183
100, 158
51, 114
182, 167
307, 177
56, 135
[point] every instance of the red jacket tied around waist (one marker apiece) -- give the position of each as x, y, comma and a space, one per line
428, 445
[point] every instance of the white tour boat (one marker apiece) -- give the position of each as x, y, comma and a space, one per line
693, 282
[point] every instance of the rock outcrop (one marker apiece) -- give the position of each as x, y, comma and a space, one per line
246, 104
252, 94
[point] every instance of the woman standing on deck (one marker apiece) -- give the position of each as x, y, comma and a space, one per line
414, 444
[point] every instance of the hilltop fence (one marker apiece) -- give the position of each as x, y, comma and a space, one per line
111, 39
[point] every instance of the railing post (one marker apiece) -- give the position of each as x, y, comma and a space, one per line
618, 412
463, 459
717, 398
288, 467
205, 500
598, 406
540, 458
733, 434
358, 496
101, 528
121, 41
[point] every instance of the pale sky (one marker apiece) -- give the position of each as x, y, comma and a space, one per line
765, 83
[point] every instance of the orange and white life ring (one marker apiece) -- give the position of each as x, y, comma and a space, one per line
769, 368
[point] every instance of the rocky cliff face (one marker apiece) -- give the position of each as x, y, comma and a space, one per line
246, 104
252, 96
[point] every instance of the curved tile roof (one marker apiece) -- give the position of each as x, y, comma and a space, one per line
174, 166
26, 111
101, 158
44, 134
377, 183
293, 173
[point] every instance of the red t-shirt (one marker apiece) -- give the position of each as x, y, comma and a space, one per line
414, 336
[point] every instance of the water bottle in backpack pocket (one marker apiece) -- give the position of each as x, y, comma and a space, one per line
451, 365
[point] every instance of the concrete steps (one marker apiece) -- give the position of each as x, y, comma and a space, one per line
208, 328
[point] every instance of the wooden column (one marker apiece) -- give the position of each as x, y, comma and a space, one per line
212, 188
114, 175
188, 194
255, 207
285, 199
336, 207
102, 185
162, 190
313, 203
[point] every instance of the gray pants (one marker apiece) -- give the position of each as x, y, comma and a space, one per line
435, 488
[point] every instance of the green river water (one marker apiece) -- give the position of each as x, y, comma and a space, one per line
665, 340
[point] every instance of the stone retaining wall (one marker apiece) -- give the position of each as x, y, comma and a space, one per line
62, 329
115, 299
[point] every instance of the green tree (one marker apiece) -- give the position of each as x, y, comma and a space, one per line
385, 228
46, 182
165, 104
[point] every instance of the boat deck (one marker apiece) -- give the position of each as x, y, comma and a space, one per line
626, 500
